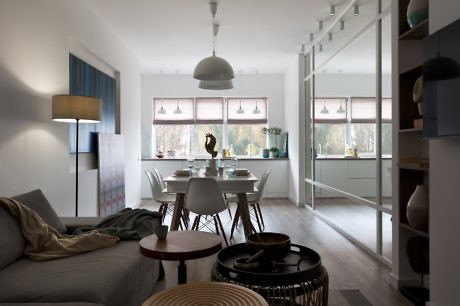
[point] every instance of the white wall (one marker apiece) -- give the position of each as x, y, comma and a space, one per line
35, 40
444, 198
292, 114
360, 85
266, 85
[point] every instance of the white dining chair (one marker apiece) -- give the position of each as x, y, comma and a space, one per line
158, 186
204, 198
254, 199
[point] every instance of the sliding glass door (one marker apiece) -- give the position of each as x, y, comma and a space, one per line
349, 128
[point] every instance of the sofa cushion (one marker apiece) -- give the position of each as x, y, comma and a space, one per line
37, 201
114, 276
12, 243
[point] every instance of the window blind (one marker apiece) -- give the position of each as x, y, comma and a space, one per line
247, 110
331, 110
173, 111
209, 110
363, 110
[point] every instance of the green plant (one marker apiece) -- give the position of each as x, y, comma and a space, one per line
273, 149
272, 130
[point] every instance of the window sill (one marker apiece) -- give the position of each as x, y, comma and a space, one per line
343, 157
239, 158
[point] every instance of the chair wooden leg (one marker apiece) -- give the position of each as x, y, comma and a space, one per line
257, 206
236, 218
222, 229
257, 218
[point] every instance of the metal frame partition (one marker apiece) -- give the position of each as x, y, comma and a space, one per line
310, 79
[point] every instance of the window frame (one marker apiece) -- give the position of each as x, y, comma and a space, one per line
349, 121
225, 122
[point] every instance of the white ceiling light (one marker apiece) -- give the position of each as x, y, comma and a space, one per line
178, 111
356, 10
257, 110
240, 110
332, 11
324, 110
340, 110
213, 68
162, 111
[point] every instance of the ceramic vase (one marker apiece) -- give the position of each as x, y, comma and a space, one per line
417, 11
417, 208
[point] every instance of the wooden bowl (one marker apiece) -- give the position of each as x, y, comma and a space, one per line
275, 245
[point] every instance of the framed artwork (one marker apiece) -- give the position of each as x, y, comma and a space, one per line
85, 80
111, 173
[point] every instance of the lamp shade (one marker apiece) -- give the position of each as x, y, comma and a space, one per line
216, 85
213, 68
69, 108
440, 68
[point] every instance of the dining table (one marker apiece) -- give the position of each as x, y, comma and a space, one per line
239, 185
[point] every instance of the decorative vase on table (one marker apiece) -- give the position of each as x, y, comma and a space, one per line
417, 11
417, 208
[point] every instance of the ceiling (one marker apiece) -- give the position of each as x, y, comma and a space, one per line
172, 36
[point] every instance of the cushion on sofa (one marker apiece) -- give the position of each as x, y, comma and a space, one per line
37, 201
114, 276
12, 243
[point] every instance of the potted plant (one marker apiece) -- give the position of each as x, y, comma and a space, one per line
266, 153
275, 131
274, 152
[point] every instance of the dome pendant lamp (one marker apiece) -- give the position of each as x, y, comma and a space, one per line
213, 68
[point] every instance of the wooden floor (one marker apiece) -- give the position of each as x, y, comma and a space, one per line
349, 267
358, 220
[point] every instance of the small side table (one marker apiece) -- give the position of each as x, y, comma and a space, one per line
206, 293
182, 246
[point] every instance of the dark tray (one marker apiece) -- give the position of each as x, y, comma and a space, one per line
265, 276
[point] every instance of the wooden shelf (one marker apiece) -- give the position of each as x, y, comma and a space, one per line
412, 167
418, 32
412, 130
414, 230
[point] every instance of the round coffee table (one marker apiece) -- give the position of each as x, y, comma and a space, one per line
182, 246
206, 293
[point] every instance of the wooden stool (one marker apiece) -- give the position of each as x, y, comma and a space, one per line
206, 293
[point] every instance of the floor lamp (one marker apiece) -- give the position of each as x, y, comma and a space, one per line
76, 109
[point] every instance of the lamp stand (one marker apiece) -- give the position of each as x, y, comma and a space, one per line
76, 172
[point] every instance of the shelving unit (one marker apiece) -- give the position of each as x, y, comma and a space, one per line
411, 154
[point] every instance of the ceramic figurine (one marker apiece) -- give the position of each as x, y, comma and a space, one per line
210, 144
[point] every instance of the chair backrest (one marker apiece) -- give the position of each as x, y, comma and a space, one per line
261, 185
155, 185
160, 178
204, 197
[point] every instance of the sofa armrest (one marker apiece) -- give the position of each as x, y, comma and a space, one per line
73, 222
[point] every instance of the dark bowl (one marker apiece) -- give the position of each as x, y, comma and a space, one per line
275, 245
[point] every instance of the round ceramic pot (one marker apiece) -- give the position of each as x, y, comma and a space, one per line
417, 208
417, 11
274, 154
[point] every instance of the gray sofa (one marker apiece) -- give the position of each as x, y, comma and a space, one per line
114, 276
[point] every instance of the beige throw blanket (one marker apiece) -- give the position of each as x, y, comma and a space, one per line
45, 243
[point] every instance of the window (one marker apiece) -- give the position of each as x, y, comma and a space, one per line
181, 124
330, 126
341, 122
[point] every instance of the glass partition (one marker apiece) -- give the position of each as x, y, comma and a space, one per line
351, 128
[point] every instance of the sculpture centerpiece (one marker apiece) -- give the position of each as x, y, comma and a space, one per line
209, 145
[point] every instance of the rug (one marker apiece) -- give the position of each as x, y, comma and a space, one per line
347, 298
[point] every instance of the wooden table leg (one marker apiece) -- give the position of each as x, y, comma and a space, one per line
244, 213
177, 211
182, 273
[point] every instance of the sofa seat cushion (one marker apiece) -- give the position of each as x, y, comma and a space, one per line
37, 201
12, 243
114, 276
